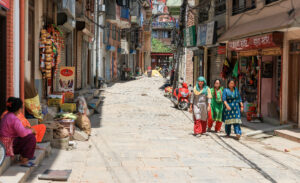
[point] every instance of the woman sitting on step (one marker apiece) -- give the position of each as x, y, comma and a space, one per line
16, 138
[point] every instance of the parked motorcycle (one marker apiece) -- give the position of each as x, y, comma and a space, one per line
180, 97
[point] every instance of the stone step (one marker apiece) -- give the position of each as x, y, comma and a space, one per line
92, 112
94, 103
5, 165
88, 97
290, 134
17, 174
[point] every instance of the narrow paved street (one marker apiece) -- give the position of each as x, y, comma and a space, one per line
139, 137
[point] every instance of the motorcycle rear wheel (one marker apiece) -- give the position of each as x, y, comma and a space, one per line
183, 105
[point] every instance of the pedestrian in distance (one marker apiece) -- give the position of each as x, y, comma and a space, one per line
233, 108
216, 106
200, 105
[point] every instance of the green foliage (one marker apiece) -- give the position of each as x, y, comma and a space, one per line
159, 47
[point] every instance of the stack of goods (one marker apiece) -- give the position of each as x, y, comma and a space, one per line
32, 101
168, 91
68, 121
50, 48
56, 100
68, 107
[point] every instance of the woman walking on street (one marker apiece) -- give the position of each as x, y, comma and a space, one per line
233, 108
200, 105
216, 106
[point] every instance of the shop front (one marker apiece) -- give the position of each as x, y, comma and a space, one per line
259, 60
160, 60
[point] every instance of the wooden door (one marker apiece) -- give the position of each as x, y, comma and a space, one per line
293, 87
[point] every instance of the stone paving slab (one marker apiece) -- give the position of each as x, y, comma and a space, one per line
144, 139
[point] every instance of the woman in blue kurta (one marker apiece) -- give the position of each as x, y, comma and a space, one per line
233, 108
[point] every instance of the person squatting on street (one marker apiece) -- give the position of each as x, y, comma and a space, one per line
233, 108
200, 105
216, 106
16, 138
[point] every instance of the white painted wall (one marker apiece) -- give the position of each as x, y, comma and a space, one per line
16, 65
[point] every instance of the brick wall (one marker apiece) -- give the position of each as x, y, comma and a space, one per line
189, 67
10, 51
189, 76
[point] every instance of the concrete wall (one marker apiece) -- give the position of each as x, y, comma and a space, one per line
261, 11
16, 49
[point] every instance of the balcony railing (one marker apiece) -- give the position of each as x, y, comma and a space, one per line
125, 13
163, 24
241, 6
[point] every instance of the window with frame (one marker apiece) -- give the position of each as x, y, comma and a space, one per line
203, 14
270, 1
154, 34
220, 7
241, 6
107, 32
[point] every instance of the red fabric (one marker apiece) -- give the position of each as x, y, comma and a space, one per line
184, 85
217, 126
200, 127
40, 132
8, 144
25, 146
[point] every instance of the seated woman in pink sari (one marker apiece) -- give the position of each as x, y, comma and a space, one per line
16, 138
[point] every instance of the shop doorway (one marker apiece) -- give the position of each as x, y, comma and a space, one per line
293, 87
2, 62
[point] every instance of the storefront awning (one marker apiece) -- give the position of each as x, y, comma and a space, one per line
264, 25
161, 54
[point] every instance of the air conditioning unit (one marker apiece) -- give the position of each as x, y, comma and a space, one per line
101, 8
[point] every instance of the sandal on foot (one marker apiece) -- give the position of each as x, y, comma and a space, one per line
29, 164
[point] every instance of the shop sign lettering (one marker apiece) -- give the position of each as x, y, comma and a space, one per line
258, 42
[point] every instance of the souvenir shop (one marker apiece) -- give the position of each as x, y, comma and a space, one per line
259, 61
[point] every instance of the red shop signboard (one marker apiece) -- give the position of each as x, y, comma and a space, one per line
5, 3
257, 42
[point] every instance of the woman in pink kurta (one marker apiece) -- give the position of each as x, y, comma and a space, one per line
16, 138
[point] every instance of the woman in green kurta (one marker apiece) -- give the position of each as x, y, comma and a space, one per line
216, 106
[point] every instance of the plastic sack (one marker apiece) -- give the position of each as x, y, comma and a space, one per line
33, 106
82, 105
83, 122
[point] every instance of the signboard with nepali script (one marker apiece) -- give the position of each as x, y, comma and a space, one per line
190, 36
67, 82
257, 42
5, 3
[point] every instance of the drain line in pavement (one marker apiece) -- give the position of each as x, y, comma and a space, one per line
236, 153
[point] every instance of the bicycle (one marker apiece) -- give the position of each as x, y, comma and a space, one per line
2, 153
